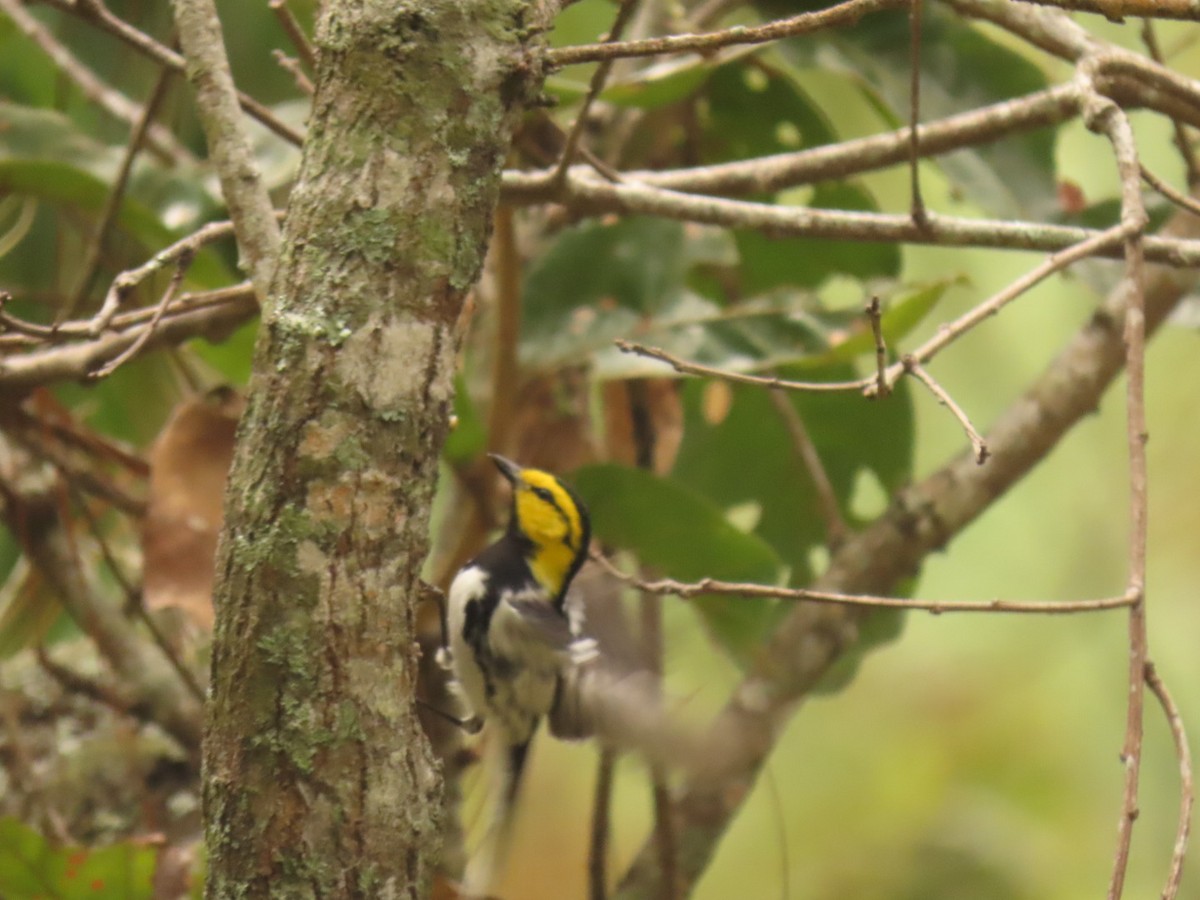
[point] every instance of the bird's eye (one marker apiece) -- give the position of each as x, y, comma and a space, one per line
542, 494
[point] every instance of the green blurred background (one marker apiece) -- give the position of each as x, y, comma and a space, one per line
977, 757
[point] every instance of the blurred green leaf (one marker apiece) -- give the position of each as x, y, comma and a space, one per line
600, 282
44, 156
755, 109
903, 312
468, 439
684, 535
33, 869
774, 262
961, 69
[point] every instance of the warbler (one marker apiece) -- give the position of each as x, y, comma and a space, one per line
512, 639
519, 653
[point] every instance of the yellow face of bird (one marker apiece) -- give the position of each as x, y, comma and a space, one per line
549, 517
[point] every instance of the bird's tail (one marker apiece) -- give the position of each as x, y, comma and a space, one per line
486, 866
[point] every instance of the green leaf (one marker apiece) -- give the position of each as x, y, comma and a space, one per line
961, 69
33, 869
904, 311
468, 439
774, 262
755, 109
684, 535
44, 156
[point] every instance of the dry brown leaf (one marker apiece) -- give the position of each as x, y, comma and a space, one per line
643, 414
189, 464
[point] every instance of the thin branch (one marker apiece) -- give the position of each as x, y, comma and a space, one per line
116, 194
875, 315
292, 66
766, 381
599, 77
33, 435
1116, 10
229, 147
218, 311
95, 12
1099, 243
295, 33
769, 174
1187, 787
843, 14
836, 528
1103, 116
588, 194
689, 589
917, 205
978, 445
884, 379
184, 248
1179, 199
1182, 143
181, 267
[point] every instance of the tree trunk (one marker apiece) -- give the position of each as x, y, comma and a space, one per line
318, 780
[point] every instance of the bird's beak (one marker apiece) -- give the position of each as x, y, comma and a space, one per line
507, 467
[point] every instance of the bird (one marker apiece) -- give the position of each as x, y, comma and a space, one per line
513, 641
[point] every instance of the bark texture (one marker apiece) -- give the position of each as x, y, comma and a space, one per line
318, 779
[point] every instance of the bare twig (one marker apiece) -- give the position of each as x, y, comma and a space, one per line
229, 147
1103, 116
1117, 9
117, 193
689, 589
1186, 152
216, 311
827, 502
1187, 787
882, 381
917, 205
588, 194
135, 348
769, 174
295, 33
599, 77
767, 381
292, 66
1179, 199
172, 255
875, 316
844, 13
947, 334
978, 445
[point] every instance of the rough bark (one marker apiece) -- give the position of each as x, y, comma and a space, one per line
318, 779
